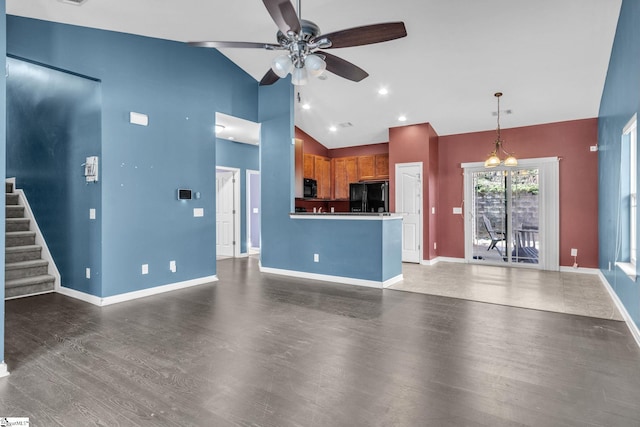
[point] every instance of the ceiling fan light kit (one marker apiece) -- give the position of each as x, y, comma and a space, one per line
304, 41
494, 160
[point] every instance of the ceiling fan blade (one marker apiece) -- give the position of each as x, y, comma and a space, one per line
284, 15
367, 34
269, 78
218, 45
344, 68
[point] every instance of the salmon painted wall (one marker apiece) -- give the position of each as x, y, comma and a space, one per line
578, 182
311, 145
418, 143
360, 150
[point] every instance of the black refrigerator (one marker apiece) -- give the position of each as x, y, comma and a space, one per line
369, 196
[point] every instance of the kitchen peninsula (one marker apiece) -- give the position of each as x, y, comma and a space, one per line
376, 237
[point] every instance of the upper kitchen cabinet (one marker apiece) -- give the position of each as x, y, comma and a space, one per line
345, 171
309, 166
373, 167
382, 166
322, 166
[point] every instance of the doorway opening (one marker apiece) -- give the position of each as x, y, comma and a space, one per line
512, 214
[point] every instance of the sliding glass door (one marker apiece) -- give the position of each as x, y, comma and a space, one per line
506, 211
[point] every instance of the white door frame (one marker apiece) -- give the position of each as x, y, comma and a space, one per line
250, 249
236, 206
398, 185
549, 206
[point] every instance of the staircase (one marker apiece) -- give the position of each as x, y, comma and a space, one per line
26, 273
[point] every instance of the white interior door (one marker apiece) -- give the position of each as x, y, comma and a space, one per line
409, 204
225, 226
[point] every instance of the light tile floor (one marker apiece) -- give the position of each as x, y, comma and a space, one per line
571, 293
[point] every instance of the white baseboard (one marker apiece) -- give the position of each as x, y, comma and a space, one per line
333, 279
625, 314
101, 302
443, 259
30, 295
4, 370
582, 270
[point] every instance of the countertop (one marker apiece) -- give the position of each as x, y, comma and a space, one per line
345, 215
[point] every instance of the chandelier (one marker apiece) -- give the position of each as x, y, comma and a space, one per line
494, 160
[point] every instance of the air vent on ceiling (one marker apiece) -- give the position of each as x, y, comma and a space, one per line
346, 125
75, 2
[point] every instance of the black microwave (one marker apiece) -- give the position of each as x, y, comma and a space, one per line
310, 188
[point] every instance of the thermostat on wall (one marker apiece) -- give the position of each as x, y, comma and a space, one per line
184, 194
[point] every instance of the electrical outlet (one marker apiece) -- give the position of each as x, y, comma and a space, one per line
316, 257
92, 213
145, 268
574, 252
435, 246
172, 266
87, 273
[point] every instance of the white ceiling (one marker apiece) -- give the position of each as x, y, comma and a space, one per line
237, 129
549, 57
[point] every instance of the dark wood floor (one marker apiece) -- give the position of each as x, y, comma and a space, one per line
264, 350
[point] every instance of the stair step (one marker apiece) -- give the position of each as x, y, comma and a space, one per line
17, 224
12, 199
29, 286
8, 187
22, 253
20, 238
15, 211
23, 269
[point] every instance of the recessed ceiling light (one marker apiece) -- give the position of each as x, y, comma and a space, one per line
402, 118
383, 91
333, 129
306, 106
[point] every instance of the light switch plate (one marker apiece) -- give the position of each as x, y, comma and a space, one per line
457, 211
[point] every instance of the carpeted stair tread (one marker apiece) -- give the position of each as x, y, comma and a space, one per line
17, 224
14, 211
25, 248
12, 199
25, 264
19, 238
28, 281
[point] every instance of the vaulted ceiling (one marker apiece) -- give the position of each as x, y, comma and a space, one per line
549, 57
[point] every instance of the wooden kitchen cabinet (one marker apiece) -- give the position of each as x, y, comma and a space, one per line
373, 167
322, 167
309, 166
382, 166
345, 171
366, 167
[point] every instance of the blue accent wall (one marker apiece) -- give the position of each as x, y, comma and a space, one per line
620, 101
3, 146
53, 125
240, 156
180, 88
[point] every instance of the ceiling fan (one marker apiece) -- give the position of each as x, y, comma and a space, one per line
303, 42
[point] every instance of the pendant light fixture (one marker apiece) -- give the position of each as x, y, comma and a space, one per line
494, 160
